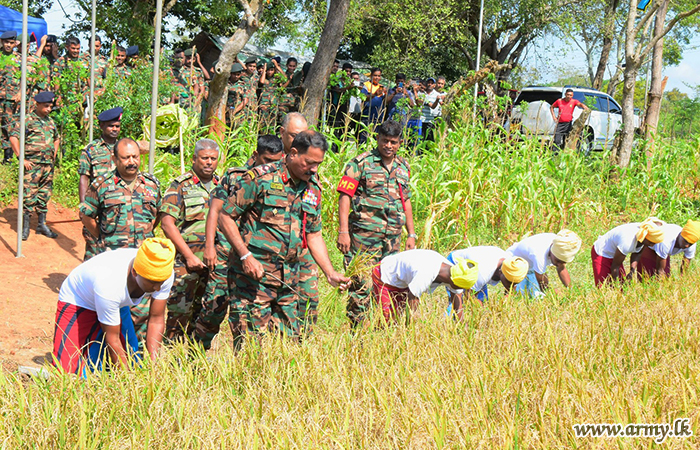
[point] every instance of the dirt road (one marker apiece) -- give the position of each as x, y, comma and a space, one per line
29, 285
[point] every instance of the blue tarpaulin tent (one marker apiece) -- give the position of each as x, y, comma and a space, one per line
12, 20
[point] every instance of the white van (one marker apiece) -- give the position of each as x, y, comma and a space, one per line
531, 114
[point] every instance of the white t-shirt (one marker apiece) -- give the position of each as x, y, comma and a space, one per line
667, 247
622, 237
414, 269
99, 284
487, 257
534, 250
429, 114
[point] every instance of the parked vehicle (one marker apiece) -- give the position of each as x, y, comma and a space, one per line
531, 114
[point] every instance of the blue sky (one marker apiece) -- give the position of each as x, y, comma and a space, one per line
687, 72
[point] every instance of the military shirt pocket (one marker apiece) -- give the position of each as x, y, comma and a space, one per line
273, 210
375, 182
110, 217
195, 208
149, 209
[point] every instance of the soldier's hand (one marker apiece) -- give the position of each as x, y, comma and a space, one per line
410, 243
194, 264
210, 257
253, 268
28, 165
337, 280
17, 97
344, 243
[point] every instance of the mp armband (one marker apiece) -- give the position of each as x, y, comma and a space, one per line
347, 186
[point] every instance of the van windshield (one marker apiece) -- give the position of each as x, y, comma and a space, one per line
536, 96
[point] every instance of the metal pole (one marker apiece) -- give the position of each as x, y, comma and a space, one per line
478, 54
22, 126
154, 90
91, 107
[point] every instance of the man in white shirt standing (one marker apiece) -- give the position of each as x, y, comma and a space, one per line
541, 251
495, 266
656, 260
610, 250
401, 278
92, 298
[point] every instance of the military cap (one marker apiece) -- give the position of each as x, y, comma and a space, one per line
51, 38
8, 35
430, 79
111, 114
132, 51
278, 59
44, 97
236, 67
188, 52
250, 60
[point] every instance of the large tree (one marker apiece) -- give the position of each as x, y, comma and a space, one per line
636, 52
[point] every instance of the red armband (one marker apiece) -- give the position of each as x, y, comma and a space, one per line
347, 186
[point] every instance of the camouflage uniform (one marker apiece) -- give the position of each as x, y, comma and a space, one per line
95, 160
40, 135
122, 71
10, 86
187, 201
38, 74
217, 298
236, 94
189, 78
79, 83
377, 217
125, 217
101, 64
269, 107
251, 87
275, 213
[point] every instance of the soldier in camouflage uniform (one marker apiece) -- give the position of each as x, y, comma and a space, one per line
95, 161
121, 208
268, 107
101, 64
78, 68
279, 208
41, 144
217, 249
236, 100
183, 216
120, 68
376, 183
250, 79
9, 90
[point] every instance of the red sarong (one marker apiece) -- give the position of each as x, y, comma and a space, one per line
76, 328
647, 264
601, 268
390, 298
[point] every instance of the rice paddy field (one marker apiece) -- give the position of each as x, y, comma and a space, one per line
516, 373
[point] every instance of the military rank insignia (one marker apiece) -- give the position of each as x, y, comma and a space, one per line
310, 198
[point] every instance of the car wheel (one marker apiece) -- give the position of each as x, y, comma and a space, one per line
585, 143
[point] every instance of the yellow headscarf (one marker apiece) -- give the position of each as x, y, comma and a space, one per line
691, 231
155, 259
515, 269
565, 246
651, 229
464, 273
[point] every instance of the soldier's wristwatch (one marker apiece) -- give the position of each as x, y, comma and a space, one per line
413, 235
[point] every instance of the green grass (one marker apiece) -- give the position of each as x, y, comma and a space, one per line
516, 373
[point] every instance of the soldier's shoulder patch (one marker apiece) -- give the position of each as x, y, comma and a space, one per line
185, 176
97, 182
236, 170
362, 156
261, 170
152, 178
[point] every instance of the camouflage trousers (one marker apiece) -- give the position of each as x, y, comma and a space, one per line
139, 315
8, 109
378, 245
308, 290
215, 301
92, 245
38, 184
268, 305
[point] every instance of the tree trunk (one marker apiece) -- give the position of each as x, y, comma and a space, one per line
625, 153
576, 129
317, 78
608, 34
651, 120
218, 88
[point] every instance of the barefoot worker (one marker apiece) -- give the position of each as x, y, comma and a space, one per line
656, 260
544, 250
610, 250
94, 301
495, 266
403, 277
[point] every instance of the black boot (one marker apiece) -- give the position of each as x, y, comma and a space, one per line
43, 229
25, 226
